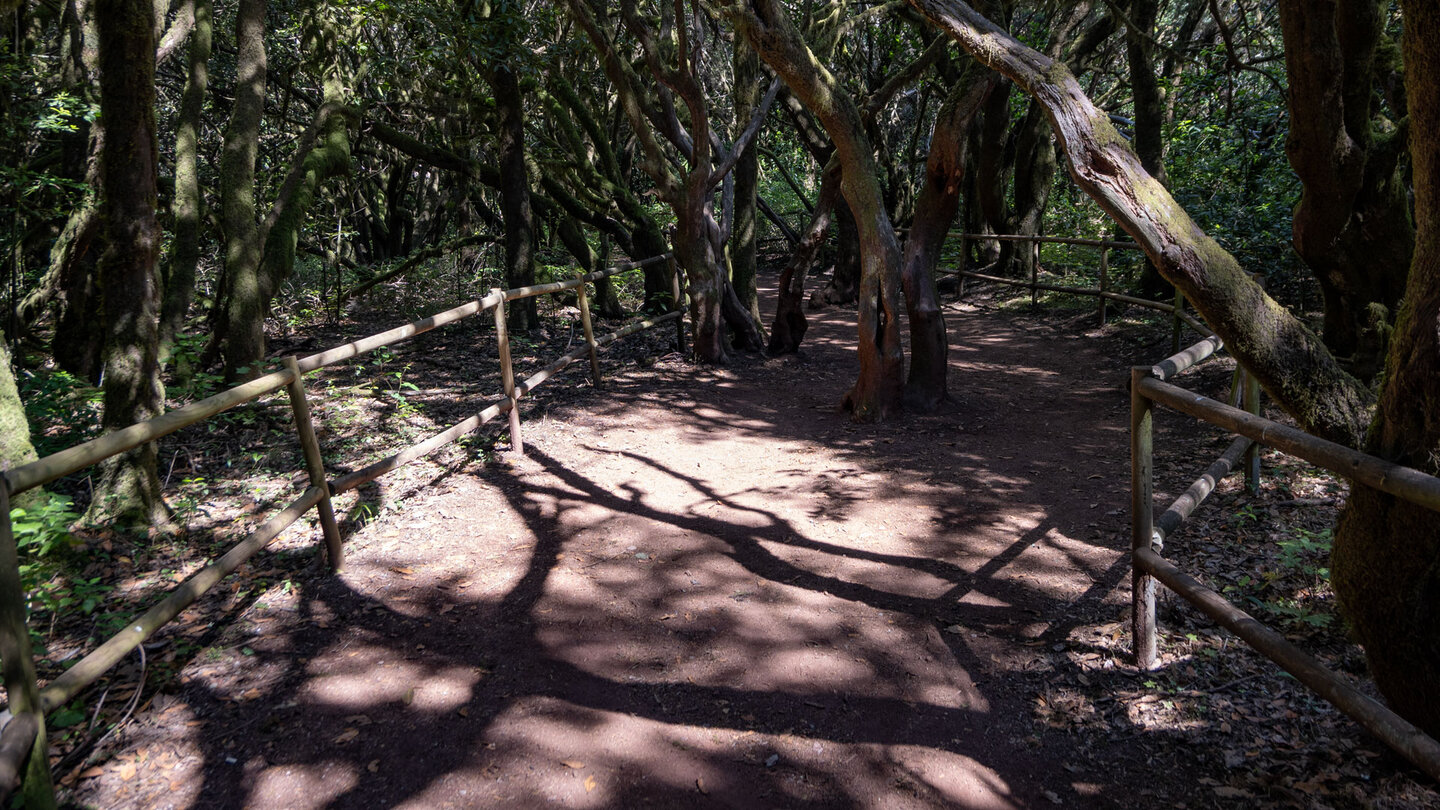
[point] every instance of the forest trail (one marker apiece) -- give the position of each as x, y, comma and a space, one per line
705, 588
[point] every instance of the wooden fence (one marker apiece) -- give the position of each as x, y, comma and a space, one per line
1102, 291
23, 757
1150, 385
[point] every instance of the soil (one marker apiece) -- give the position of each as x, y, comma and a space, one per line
709, 588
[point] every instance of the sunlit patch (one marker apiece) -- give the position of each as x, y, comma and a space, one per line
402, 683
302, 786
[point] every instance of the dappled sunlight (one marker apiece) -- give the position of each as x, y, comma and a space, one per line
380, 682
303, 786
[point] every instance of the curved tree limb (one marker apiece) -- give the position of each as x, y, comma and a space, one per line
1286, 357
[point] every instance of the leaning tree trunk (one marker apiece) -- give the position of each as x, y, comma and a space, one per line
878, 389
1386, 560
935, 211
128, 489
1289, 360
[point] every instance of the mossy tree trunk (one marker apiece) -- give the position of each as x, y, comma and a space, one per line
128, 489
1352, 226
748, 86
515, 207
15, 446
1149, 109
239, 316
878, 389
189, 201
1385, 565
670, 55
1290, 361
322, 153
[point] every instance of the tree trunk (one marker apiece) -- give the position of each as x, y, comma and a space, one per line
78, 343
1034, 174
934, 214
1352, 226
189, 202
128, 489
240, 314
1287, 358
844, 285
878, 389
1149, 114
1386, 559
990, 180
15, 446
524, 314
606, 302
749, 83
790, 324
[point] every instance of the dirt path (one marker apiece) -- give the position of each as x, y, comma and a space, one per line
707, 588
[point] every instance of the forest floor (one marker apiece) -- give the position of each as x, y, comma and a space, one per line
709, 588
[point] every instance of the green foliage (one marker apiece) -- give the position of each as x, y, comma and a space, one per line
42, 536
1228, 168
61, 408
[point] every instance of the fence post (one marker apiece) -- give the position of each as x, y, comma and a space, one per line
314, 465
960, 269
677, 297
1035, 272
507, 372
1104, 271
18, 665
1142, 519
1252, 455
1176, 322
589, 332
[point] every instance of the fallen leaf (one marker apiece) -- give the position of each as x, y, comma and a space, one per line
347, 735
700, 786
126, 771
574, 764
91, 773
373, 766
409, 696
463, 711
1232, 793
590, 783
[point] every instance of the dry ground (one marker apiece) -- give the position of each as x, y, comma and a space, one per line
708, 588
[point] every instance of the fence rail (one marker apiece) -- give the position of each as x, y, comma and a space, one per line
1150, 385
23, 761
1102, 291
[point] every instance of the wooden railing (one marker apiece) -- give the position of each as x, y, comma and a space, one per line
23, 761
1150, 385
1102, 291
